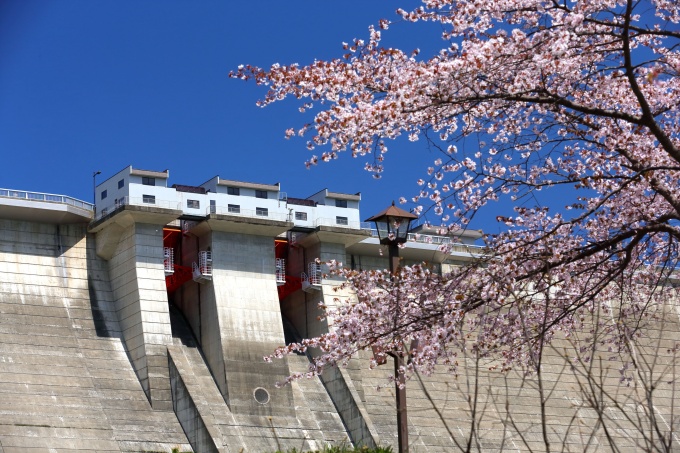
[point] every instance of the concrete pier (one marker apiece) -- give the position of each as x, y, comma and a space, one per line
66, 382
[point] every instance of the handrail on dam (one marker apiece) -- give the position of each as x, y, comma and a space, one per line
453, 244
146, 200
47, 197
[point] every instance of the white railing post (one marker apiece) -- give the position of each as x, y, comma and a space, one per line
168, 260
280, 271
202, 271
205, 263
315, 273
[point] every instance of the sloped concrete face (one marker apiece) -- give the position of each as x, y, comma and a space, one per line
211, 426
302, 310
138, 284
584, 405
244, 302
65, 379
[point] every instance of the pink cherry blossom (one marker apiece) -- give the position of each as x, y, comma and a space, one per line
580, 98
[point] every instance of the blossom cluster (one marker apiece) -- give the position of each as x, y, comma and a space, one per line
576, 98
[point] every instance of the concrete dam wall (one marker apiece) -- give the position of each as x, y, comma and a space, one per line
144, 331
91, 360
66, 380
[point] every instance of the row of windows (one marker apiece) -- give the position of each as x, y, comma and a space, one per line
237, 191
299, 215
148, 181
230, 190
236, 209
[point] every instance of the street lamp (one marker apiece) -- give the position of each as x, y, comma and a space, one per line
393, 226
94, 191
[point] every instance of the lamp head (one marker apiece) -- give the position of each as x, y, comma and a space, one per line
392, 224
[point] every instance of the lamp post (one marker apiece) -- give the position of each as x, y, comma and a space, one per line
393, 225
94, 191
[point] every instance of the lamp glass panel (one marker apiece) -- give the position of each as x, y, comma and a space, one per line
382, 227
399, 226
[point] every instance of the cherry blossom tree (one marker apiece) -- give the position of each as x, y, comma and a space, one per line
526, 99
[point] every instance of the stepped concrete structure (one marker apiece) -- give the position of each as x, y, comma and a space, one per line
139, 324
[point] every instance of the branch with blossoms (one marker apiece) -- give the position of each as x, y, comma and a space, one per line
577, 101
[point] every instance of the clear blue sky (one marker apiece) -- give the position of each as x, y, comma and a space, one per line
98, 85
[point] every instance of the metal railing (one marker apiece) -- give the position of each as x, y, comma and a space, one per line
202, 272
430, 239
451, 242
312, 280
168, 260
467, 248
343, 224
48, 197
205, 262
240, 212
280, 270
139, 201
314, 273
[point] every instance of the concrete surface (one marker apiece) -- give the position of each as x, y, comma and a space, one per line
66, 382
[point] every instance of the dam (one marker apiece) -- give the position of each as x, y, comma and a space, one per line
139, 324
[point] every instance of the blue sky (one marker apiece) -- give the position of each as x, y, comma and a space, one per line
99, 85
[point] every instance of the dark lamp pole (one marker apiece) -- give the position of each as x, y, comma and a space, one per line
393, 226
94, 191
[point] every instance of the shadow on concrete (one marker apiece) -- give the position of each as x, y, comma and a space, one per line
181, 329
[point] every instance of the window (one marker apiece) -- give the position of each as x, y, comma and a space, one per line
341, 220
213, 207
262, 211
193, 204
340, 203
235, 208
148, 181
261, 194
151, 199
300, 215
121, 183
233, 191
104, 194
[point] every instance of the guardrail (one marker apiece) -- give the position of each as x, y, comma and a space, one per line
257, 214
48, 197
138, 201
430, 239
451, 242
469, 249
342, 223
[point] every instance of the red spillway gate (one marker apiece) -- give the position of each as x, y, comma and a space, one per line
292, 283
180, 274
